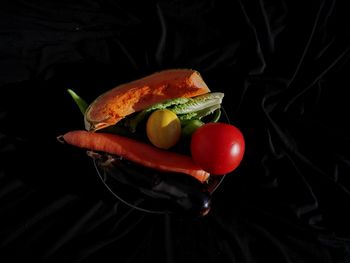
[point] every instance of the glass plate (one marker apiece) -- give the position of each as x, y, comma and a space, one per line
118, 176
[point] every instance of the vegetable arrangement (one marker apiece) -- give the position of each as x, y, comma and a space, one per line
171, 123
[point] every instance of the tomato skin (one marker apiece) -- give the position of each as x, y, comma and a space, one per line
163, 128
217, 148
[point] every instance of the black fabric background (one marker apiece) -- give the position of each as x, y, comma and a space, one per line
284, 67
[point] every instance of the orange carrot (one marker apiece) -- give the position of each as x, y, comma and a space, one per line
136, 151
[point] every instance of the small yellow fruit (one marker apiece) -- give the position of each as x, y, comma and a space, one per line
163, 128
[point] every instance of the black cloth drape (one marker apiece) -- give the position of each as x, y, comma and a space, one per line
284, 68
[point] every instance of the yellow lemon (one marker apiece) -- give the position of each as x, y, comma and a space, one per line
163, 128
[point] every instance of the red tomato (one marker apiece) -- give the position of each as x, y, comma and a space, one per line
217, 148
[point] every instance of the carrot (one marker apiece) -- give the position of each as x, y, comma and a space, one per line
136, 151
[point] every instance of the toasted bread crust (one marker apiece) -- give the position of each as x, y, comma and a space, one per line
125, 99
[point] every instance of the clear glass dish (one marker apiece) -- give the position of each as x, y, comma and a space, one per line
120, 179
